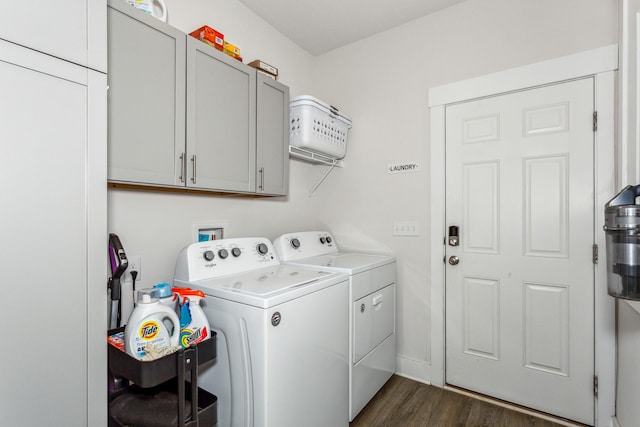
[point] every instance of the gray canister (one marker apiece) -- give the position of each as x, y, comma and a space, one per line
622, 227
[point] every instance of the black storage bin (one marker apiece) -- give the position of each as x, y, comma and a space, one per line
159, 395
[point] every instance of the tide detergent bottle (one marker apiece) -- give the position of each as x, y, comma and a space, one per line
194, 325
150, 323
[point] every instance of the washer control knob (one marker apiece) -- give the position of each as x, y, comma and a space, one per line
223, 253
208, 255
236, 252
323, 240
329, 239
295, 243
262, 248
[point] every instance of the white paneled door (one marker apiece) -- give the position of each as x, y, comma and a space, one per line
520, 299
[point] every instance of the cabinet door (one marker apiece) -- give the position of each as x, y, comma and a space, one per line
221, 117
67, 29
146, 105
45, 227
629, 91
272, 136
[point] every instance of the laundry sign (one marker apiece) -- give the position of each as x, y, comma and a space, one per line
404, 167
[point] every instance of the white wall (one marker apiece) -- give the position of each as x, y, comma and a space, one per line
255, 38
156, 226
628, 410
382, 82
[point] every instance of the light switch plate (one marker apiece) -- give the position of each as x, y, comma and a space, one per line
406, 228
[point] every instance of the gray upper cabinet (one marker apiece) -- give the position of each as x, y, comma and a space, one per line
272, 130
182, 114
221, 120
146, 108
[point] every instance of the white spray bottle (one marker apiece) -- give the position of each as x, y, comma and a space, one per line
194, 325
146, 325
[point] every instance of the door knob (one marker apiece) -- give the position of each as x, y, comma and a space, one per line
454, 260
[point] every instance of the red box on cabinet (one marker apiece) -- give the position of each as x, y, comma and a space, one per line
210, 36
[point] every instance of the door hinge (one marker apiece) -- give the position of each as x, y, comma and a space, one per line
594, 255
595, 121
595, 385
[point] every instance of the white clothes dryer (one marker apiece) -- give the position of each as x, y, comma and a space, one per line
281, 337
372, 307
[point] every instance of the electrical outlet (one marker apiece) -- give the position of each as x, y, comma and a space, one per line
405, 228
135, 264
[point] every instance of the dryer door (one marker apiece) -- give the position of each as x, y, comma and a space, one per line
373, 320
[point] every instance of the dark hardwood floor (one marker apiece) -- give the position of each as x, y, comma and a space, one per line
406, 403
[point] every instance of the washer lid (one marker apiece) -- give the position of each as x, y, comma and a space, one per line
267, 286
350, 263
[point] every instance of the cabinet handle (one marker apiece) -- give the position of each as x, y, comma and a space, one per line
193, 161
183, 166
261, 178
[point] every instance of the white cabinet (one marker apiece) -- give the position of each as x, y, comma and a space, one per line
146, 98
73, 30
53, 228
628, 90
184, 115
628, 166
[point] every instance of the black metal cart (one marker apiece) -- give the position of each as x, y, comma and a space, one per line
154, 387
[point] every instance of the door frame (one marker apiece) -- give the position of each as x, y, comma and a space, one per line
601, 64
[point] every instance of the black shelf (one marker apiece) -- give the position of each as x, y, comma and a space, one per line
164, 378
144, 413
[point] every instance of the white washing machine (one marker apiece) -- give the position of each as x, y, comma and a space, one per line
372, 312
281, 337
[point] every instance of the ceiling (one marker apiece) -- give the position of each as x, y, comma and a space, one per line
319, 26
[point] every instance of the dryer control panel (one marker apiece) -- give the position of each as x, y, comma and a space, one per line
215, 258
304, 244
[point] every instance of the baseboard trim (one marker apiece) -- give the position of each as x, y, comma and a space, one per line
413, 369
